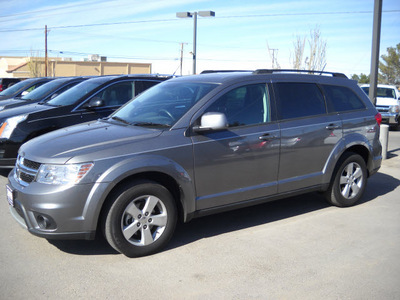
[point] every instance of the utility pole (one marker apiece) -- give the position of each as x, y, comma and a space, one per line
376, 37
274, 60
181, 65
45, 51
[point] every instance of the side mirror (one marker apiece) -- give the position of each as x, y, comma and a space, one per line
94, 102
24, 93
212, 121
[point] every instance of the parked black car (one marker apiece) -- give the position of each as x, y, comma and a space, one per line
90, 100
5, 83
23, 87
43, 93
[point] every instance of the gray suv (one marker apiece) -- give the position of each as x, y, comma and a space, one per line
193, 146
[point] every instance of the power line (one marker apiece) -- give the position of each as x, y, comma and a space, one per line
219, 17
53, 9
92, 25
307, 14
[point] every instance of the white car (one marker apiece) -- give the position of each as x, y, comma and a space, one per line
387, 103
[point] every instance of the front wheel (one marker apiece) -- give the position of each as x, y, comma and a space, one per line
141, 219
349, 181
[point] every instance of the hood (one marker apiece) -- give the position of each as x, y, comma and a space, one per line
386, 101
23, 109
86, 142
13, 101
4, 97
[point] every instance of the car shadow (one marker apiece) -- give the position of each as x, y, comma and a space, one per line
210, 226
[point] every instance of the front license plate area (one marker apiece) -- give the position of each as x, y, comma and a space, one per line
10, 195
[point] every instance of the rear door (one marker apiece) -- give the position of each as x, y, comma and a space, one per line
308, 134
241, 162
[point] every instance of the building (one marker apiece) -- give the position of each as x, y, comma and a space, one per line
25, 67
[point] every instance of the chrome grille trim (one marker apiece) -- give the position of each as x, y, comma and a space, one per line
25, 170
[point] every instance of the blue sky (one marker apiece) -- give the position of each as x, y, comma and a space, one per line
237, 38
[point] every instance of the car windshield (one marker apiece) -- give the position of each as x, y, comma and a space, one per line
382, 92
42, 91
163, 104
77, 92
16, 87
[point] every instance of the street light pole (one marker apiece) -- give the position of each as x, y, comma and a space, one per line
376, 37
208, 13
194, 40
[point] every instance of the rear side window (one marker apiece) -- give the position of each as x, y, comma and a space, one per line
341, 99
141, 86
117, 94
297, 100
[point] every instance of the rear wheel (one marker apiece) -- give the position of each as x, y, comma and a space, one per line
141, 219
349, 181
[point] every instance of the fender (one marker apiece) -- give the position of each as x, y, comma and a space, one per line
350, 140
137, 165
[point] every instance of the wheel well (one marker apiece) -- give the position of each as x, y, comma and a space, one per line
163, 179
360, 150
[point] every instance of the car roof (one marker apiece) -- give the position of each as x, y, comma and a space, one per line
381, 86
220, 77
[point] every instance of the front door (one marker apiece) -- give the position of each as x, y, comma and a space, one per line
241, 162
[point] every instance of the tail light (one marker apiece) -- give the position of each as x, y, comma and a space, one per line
378, 118
1, 87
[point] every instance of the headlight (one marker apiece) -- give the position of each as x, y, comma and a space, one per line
62, 174
394, 109
9, 125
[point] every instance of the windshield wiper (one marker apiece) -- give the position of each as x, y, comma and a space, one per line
120, 120
150, 124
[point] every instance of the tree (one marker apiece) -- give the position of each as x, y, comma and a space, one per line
35, 65
316, 60
389, 66
362, 78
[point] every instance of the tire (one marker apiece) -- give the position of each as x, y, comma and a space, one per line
141, 219
349, 181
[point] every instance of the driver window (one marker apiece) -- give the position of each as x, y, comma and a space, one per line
117, 94
246, 105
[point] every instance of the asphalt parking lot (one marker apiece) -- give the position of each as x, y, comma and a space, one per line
297, 248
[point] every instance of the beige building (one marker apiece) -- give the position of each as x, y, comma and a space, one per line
35, 67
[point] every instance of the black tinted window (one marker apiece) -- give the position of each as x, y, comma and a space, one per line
141, 86
342, 99
245, 105
117, 94
296, 100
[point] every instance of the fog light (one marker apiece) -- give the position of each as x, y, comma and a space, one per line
45, 222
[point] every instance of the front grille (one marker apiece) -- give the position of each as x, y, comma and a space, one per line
382, 108
26, 177
31, 164
25, 170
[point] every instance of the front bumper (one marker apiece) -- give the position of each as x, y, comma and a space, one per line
54, 212
8, 153
390, 118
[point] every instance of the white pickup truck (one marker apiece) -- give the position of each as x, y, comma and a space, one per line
387, 103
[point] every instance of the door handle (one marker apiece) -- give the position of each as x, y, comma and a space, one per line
267, 137
332, 127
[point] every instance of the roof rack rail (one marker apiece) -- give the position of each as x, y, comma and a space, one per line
223, 71
312, 72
